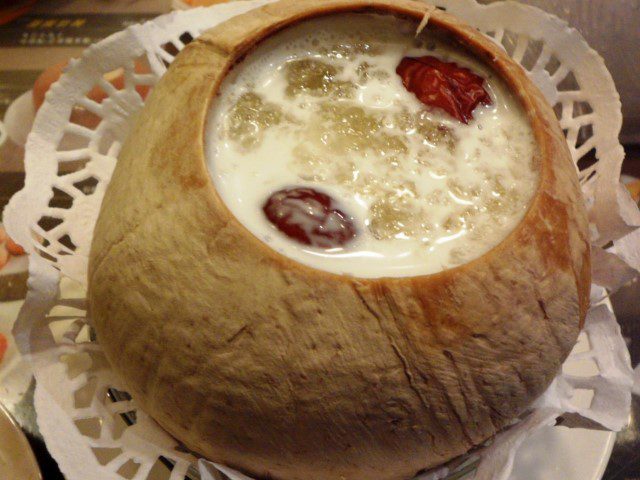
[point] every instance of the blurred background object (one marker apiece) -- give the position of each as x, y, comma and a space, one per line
16, 458
12, 9
43, 35
612, 28
184, 4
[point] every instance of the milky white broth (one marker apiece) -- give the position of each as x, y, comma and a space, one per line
426, 191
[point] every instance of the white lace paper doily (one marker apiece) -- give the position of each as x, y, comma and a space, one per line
89, 423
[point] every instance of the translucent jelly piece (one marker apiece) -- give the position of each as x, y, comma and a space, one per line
463, 192
502, 208
438, 198
353, 48
366, 72
398, 216
348, 128
497, 187
249, 117
316, 78
453, 223
310, 165
432, 132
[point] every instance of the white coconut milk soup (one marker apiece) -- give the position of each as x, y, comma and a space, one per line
350, 145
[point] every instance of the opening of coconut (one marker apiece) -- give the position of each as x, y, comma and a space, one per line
350, 145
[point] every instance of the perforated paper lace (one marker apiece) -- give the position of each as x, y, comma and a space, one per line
89, 422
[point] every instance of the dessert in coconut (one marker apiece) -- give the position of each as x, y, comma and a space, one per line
335, 248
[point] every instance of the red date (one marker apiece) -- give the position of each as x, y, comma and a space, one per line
454, 89
309, 217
